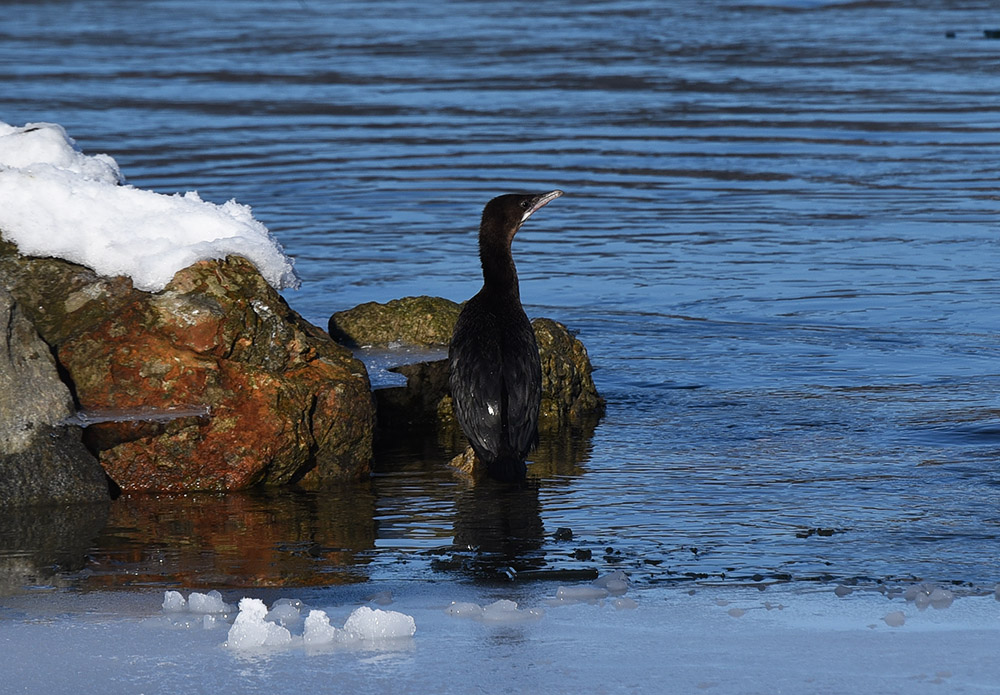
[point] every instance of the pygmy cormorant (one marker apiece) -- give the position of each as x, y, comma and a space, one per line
495, 374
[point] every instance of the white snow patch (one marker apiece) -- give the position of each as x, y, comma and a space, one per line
57, 202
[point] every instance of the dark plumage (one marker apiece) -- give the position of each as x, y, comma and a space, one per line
495, 373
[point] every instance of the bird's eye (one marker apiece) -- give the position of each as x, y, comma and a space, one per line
524, 203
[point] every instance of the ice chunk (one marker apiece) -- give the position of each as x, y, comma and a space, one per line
502, 611
464, 609
208, 603
285, 612
587, 592
615, 583
318, 629
173, 602
375, 624
941, 598
251, 631
506, 611
895, 619
924, 595
624, 603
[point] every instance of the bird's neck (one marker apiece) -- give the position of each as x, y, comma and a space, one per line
499, 273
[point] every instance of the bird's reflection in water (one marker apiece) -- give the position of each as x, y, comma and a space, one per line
499, 530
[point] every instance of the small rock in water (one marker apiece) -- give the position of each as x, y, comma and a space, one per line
736, 612
895, 619
841, 591
563, 534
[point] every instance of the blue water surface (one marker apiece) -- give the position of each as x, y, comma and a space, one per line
779, 244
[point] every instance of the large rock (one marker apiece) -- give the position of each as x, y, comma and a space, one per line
285, 402
41, 459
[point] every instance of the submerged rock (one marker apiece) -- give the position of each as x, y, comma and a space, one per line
41, 461
286, 403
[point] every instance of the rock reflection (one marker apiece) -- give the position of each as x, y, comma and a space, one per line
42, 544
269, 538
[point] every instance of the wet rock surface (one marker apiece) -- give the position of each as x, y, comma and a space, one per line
285, 402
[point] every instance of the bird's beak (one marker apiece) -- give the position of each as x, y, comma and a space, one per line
539, 202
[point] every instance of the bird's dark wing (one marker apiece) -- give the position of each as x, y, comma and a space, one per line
475, 365
522, 379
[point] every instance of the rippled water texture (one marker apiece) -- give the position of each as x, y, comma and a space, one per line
779, 244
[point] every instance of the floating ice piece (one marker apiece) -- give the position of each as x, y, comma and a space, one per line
464, 609
895, 619
208, 603
375, 624
251, 631
285, 612
580, 594
506, 611
61, 203
841, 591
941, 598
503, 611
318, 630
624, 603
924, 595
174, 602
615, 583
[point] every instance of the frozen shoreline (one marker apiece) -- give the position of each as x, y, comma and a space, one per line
718, 640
